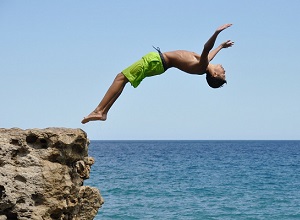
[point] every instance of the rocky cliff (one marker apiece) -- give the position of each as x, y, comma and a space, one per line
42, 173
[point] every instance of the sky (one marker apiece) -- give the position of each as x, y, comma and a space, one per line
58, 58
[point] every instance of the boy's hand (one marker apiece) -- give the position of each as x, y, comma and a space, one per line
227, 44
223, 27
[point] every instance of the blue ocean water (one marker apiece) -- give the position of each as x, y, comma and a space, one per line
197, 179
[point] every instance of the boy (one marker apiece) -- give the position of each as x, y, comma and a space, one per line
156, 63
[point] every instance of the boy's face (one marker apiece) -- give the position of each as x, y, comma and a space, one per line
219, 71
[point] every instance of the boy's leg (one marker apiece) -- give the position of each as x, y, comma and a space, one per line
112, 94
112, 101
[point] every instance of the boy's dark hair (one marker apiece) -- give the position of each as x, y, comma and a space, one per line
215, 82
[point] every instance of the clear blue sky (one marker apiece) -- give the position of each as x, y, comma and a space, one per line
58, 58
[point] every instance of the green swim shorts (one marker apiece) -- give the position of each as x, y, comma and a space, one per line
150, 65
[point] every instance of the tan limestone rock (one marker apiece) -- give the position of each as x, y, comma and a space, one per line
42, 173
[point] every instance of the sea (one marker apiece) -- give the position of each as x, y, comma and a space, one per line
188, 180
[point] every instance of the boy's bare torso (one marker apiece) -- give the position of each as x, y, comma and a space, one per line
186, 61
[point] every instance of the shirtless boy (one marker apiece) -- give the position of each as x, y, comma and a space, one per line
155, 63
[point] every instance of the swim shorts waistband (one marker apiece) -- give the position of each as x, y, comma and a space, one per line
161, 57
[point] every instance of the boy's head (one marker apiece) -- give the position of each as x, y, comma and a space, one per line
215, 76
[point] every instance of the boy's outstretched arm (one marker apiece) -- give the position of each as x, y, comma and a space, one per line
210, 44
213, 53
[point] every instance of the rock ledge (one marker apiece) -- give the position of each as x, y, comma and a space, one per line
42, 173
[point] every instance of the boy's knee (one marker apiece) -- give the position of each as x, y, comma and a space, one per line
121, 77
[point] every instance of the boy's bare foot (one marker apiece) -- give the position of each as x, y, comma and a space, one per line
94, 116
